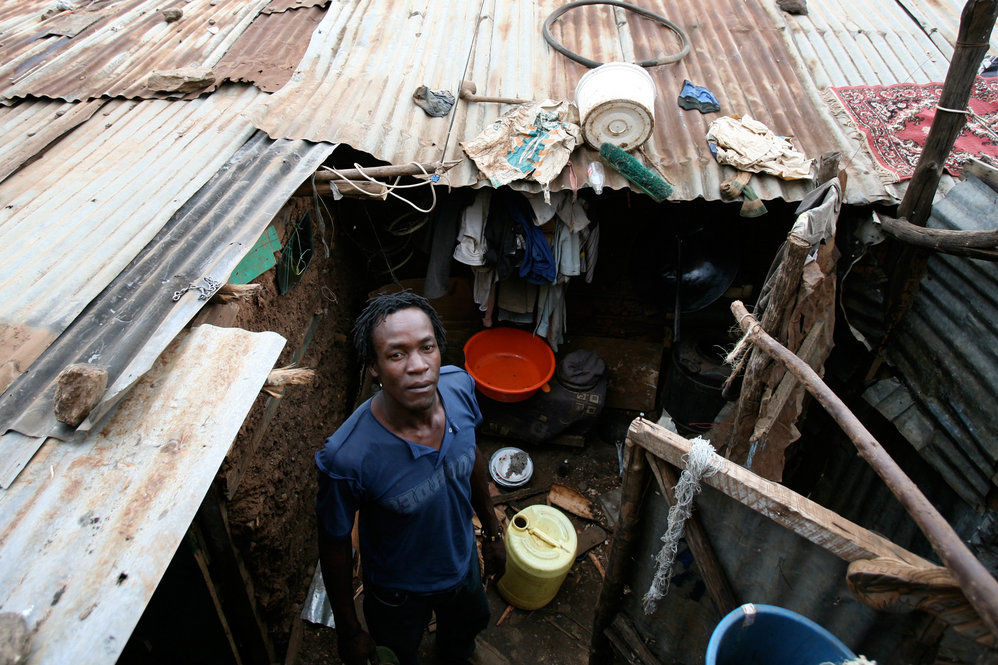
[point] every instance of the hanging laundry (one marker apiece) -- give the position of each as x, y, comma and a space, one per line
590, 250
538, 265
749, 145
505, 239
551, 314
471, 244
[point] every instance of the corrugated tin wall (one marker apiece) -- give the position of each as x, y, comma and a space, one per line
946, 355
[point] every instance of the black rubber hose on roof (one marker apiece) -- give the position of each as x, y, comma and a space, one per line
664, 60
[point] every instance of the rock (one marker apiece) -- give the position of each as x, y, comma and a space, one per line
15, 639
171, 14
185, 79
793, 6
79, 389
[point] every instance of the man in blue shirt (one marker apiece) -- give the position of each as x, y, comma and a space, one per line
407, 462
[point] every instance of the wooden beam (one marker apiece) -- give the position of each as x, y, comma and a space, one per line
977, 583
804, 517
704, 557
351, 189
972, 244
621, 552
628, 641
390, 171
972, 44
236, 591
778, 306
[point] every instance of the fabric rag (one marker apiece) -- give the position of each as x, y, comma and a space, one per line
818, 213
435, 103
699, 98
749, 145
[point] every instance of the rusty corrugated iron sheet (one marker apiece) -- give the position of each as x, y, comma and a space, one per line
127, 326
367, 58
276, 6
113, 55
89, 530
72, 220
269, 51
27, 129
945, 352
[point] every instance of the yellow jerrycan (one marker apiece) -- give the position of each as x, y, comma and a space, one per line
540, 548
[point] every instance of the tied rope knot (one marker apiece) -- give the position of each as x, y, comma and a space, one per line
701, 462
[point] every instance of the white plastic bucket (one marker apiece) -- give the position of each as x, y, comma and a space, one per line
617, 105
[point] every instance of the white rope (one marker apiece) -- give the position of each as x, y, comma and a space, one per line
701, 462
390, 188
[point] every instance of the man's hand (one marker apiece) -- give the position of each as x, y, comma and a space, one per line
494, 554
358, 649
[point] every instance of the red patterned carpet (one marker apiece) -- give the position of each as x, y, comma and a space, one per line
896, 118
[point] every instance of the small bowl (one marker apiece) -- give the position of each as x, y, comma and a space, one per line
499, 467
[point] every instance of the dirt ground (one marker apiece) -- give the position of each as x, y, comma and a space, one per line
271, 507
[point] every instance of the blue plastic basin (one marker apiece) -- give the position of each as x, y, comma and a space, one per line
770, 635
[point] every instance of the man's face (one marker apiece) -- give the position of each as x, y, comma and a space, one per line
407, 359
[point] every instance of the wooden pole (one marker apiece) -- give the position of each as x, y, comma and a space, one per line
780, 302
390, 171
977, 583
972, 244
972, 43
621, 552
704, 557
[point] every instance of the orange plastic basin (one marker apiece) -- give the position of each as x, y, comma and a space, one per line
508, 364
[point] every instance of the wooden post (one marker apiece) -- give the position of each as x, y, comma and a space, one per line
704, 557
621, 552
236, 592
976, 582
780, 302
972, 43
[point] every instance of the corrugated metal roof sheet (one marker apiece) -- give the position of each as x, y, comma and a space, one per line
945, 351
269, 51
89, 531
63, 238
114, 55
284, 5
127, 326
28, 128
936, 19
355, 83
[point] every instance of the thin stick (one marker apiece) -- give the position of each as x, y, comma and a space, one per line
505, 613
599, 566
978, 585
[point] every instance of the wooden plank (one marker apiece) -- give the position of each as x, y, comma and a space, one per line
628, 634
804, 517
704, 557
621, 552
233, 582
590, 537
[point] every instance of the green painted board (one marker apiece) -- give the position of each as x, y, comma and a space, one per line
259, 260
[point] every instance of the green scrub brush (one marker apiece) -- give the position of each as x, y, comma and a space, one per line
650, 182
